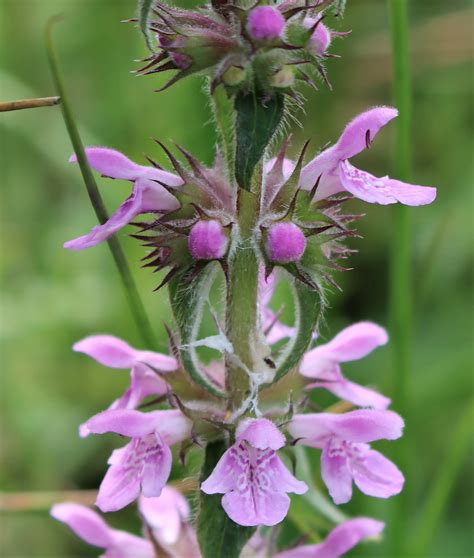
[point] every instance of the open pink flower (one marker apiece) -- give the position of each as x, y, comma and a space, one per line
148, 195
115, 353
91, 528
252, 477
336, 174
339, 541
346, 455
144, 464
352, 343
168, 517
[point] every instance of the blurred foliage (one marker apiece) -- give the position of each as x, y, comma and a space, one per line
51, 297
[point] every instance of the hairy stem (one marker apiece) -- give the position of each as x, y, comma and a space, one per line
400, 273
242, 294
136, 305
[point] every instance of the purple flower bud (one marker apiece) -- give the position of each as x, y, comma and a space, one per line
321, 37
265, 22
207, 241
286, 243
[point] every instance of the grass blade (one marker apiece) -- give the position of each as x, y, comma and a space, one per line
136, 305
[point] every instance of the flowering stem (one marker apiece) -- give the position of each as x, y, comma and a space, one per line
400, 275
136, 305
242, 292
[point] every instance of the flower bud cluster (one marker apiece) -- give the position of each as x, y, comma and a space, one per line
268, 46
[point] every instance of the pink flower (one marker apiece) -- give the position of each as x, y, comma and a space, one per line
91, 528
207, 241
352, 343
168, 517
336, 174
144, 464
286, 243
346, 455
115, 353
339, 541
252, 477
148, 194
265, 22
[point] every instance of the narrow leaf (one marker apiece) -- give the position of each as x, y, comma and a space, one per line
218, 535
257, 121
187, 301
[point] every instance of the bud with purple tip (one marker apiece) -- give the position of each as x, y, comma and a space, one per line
320, 38
265, 23
207, 241
285, 243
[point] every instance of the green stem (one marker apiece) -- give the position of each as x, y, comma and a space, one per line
136, 305
242, 294
400, 273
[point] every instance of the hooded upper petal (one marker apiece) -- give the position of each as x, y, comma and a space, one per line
115, 353
114, 164
356, 426
384, 191
358, 134
339, 541
172, 425
260, 433
107, 350
354, 139
354, 393
352, 343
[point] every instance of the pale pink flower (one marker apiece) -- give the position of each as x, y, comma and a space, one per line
144, 464
346, 455
336, 174
148, 195
113, 352
252, 477
352, 343
91, 528
168, 516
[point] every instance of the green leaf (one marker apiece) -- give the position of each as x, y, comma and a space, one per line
145, 8
218, 535
187, 299
257, 121
308, 310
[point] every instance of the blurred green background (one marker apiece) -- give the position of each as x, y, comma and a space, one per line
52, 297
